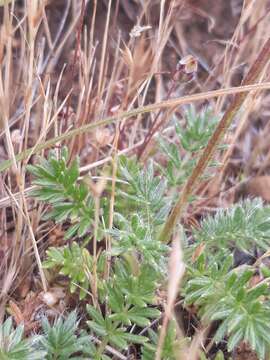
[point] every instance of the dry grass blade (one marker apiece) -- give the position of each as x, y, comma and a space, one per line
23, 210
254, 73
127, 114
176, 272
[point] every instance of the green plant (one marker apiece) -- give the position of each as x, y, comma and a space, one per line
74, 262
192, 137
129, 292
111, 330
123, 272
225, 294
126, 297
172, 345
58, 185
199, 127
138, 285
243, 226
60, 341
144, 192
14, 347
135, 237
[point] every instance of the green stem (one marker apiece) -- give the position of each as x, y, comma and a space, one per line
102, 346
127, 114
254, 74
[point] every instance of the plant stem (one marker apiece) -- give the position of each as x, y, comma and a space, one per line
156, 124
127, 114
254, 73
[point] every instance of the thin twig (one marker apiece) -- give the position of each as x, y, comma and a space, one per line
6, 201
176, 272
127, 114
254, 73
77, 50
109, 349
26, 217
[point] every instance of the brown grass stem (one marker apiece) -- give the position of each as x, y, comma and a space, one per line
254, 73
127, 114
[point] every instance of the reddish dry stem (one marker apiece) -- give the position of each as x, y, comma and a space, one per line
253, 75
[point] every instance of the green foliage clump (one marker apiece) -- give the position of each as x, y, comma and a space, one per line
74, 262
58, 185
111, 331
171, 348
224, 293
144, 193
134, 236
129, 298
60, 341
129, 293
13, 346
57, 341
199, 127
243, 226
122, 283
192, 138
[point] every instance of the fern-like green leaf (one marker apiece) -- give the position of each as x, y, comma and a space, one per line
14, 347
242, 226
